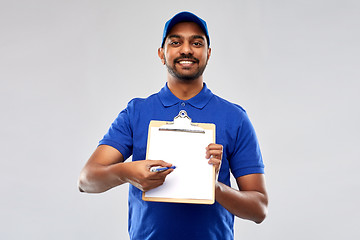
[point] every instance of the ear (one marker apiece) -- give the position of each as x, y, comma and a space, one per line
209, 53
161, 55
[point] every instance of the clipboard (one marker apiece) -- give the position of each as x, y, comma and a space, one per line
182, 143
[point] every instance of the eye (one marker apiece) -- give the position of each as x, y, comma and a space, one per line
198, 44
174, 43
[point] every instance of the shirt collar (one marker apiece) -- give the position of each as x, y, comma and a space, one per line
199, 101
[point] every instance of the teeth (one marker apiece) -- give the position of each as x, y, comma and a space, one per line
185, 62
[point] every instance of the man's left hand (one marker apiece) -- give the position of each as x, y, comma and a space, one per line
214, 154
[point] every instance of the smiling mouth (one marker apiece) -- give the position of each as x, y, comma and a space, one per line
186, 62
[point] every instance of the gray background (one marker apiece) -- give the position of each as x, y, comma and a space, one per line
68, 67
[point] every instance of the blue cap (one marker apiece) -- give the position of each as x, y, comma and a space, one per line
185, 17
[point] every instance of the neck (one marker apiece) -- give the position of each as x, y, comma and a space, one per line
185, 90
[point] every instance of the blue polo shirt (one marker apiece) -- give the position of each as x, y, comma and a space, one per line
241, 156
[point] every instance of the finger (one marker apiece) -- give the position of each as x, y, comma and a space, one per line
214, 161
163, 174
214, 153
166, 172
152, 184
215, 146
161, 163
160, 175
214, 149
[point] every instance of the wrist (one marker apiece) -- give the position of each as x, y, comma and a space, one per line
218, 188
120, 172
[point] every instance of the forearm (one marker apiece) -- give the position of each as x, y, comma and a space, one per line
251, 205
97, 178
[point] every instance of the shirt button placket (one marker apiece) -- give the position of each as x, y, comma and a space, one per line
182, 106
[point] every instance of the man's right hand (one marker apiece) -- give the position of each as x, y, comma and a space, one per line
106, 169
138, 174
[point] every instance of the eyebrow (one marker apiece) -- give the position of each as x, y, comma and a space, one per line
193, 37
198, 36
174, 36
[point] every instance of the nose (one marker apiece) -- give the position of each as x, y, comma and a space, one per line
186, 48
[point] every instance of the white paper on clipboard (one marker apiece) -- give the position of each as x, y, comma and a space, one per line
182, 144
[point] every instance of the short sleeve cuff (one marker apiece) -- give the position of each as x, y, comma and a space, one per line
126, 154
246, 171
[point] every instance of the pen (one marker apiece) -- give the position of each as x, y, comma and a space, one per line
160, 169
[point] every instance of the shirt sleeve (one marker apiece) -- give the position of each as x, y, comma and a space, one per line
120, 134
246, 158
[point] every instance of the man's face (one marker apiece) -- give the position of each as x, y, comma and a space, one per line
185, 51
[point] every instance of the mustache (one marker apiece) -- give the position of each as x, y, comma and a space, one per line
186, 56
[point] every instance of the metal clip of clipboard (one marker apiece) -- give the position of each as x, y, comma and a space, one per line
182, 123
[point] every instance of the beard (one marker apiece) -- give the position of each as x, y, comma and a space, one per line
186, 77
